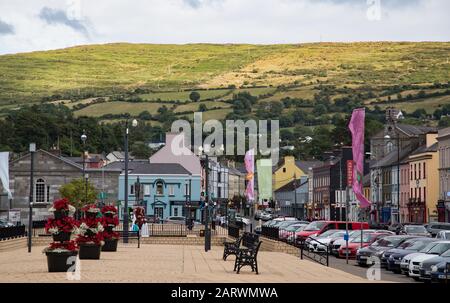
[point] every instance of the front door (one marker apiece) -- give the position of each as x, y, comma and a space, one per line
159, 212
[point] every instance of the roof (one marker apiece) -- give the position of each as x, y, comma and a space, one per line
120, 155
392, 158
291, 186
414, 130
305, 165
159, 169
425, 149
121, 165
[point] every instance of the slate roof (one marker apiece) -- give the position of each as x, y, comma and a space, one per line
144, 167
291, 186
305, 165
425, 149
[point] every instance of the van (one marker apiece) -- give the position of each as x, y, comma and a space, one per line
319, 227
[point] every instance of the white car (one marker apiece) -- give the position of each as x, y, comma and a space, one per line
415, 261
443, 235
324, 240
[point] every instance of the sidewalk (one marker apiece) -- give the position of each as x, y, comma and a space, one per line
171, 264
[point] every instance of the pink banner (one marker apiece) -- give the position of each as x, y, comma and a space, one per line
250, 167
356, 127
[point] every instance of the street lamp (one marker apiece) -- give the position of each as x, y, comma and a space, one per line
134, 123
85, 175
30, 214
387, 137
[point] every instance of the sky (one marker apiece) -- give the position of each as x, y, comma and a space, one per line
52, 24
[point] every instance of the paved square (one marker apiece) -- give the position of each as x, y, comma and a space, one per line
171, 264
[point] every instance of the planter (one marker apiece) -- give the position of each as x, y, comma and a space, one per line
59, 261
61, 237
110, 245
90, 251
59, 214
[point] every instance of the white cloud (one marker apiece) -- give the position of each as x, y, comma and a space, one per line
50, 24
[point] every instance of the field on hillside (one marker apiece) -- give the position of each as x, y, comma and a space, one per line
103, 70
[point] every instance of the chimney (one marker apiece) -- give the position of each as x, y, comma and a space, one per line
54, 150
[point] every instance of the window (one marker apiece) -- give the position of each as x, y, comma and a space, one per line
411, 172
175, 211
415, 171
420, 170
284, 169
171, 189
424, 170
186, 189
424, 194
131, 189
147, 190
159, 188
39, 195
48, 193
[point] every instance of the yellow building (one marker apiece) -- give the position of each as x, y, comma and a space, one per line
290, 170
424, 182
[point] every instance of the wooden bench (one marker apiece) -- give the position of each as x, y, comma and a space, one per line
247, 254
134, 235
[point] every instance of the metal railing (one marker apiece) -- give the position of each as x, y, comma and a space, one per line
177, 230
12, 232
315, 250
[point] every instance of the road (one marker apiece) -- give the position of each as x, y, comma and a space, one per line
354, 269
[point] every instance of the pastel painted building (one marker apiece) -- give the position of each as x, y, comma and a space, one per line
166, 189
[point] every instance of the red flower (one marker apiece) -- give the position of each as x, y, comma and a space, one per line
109, 209
62, 204
68, 245
65, 224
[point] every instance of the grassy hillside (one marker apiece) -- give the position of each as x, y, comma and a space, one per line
108, 69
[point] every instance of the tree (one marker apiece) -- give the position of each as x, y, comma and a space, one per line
319, 109
145, 115
75, 192
141, 150
194, 96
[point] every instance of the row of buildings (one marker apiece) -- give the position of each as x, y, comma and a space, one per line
406, 178
166, 184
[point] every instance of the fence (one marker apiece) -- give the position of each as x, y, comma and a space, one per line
12, 232
178, 230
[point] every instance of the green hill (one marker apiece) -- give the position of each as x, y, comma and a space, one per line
104, 70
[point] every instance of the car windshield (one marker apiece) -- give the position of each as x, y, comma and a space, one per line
446, 254
428, 247
415, 229
295, 227
417, 245
285, 224
315, 226
328, 233
439, 248
367, 238
389, 242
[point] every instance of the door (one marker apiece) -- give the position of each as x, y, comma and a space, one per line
159, 212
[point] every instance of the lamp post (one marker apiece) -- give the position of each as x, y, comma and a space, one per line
30, 214
387, 137
208, 205
85, 176
134, 123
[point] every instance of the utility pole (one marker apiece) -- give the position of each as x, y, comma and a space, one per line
30, 214
207, 231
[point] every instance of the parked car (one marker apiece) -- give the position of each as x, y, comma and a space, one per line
404, 264
395, 227
408, 247
152, 219
366, 255
355, 243
265, 216
415, 230
244, 220
324, 240
285, 224
414, 265
443, 235
176, 220
441, 271
435, 228
4, 223
289, 232
425, 266
319, 227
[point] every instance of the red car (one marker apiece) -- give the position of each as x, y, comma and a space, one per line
319, 227
355, 244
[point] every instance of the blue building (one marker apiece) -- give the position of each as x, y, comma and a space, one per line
165, 189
